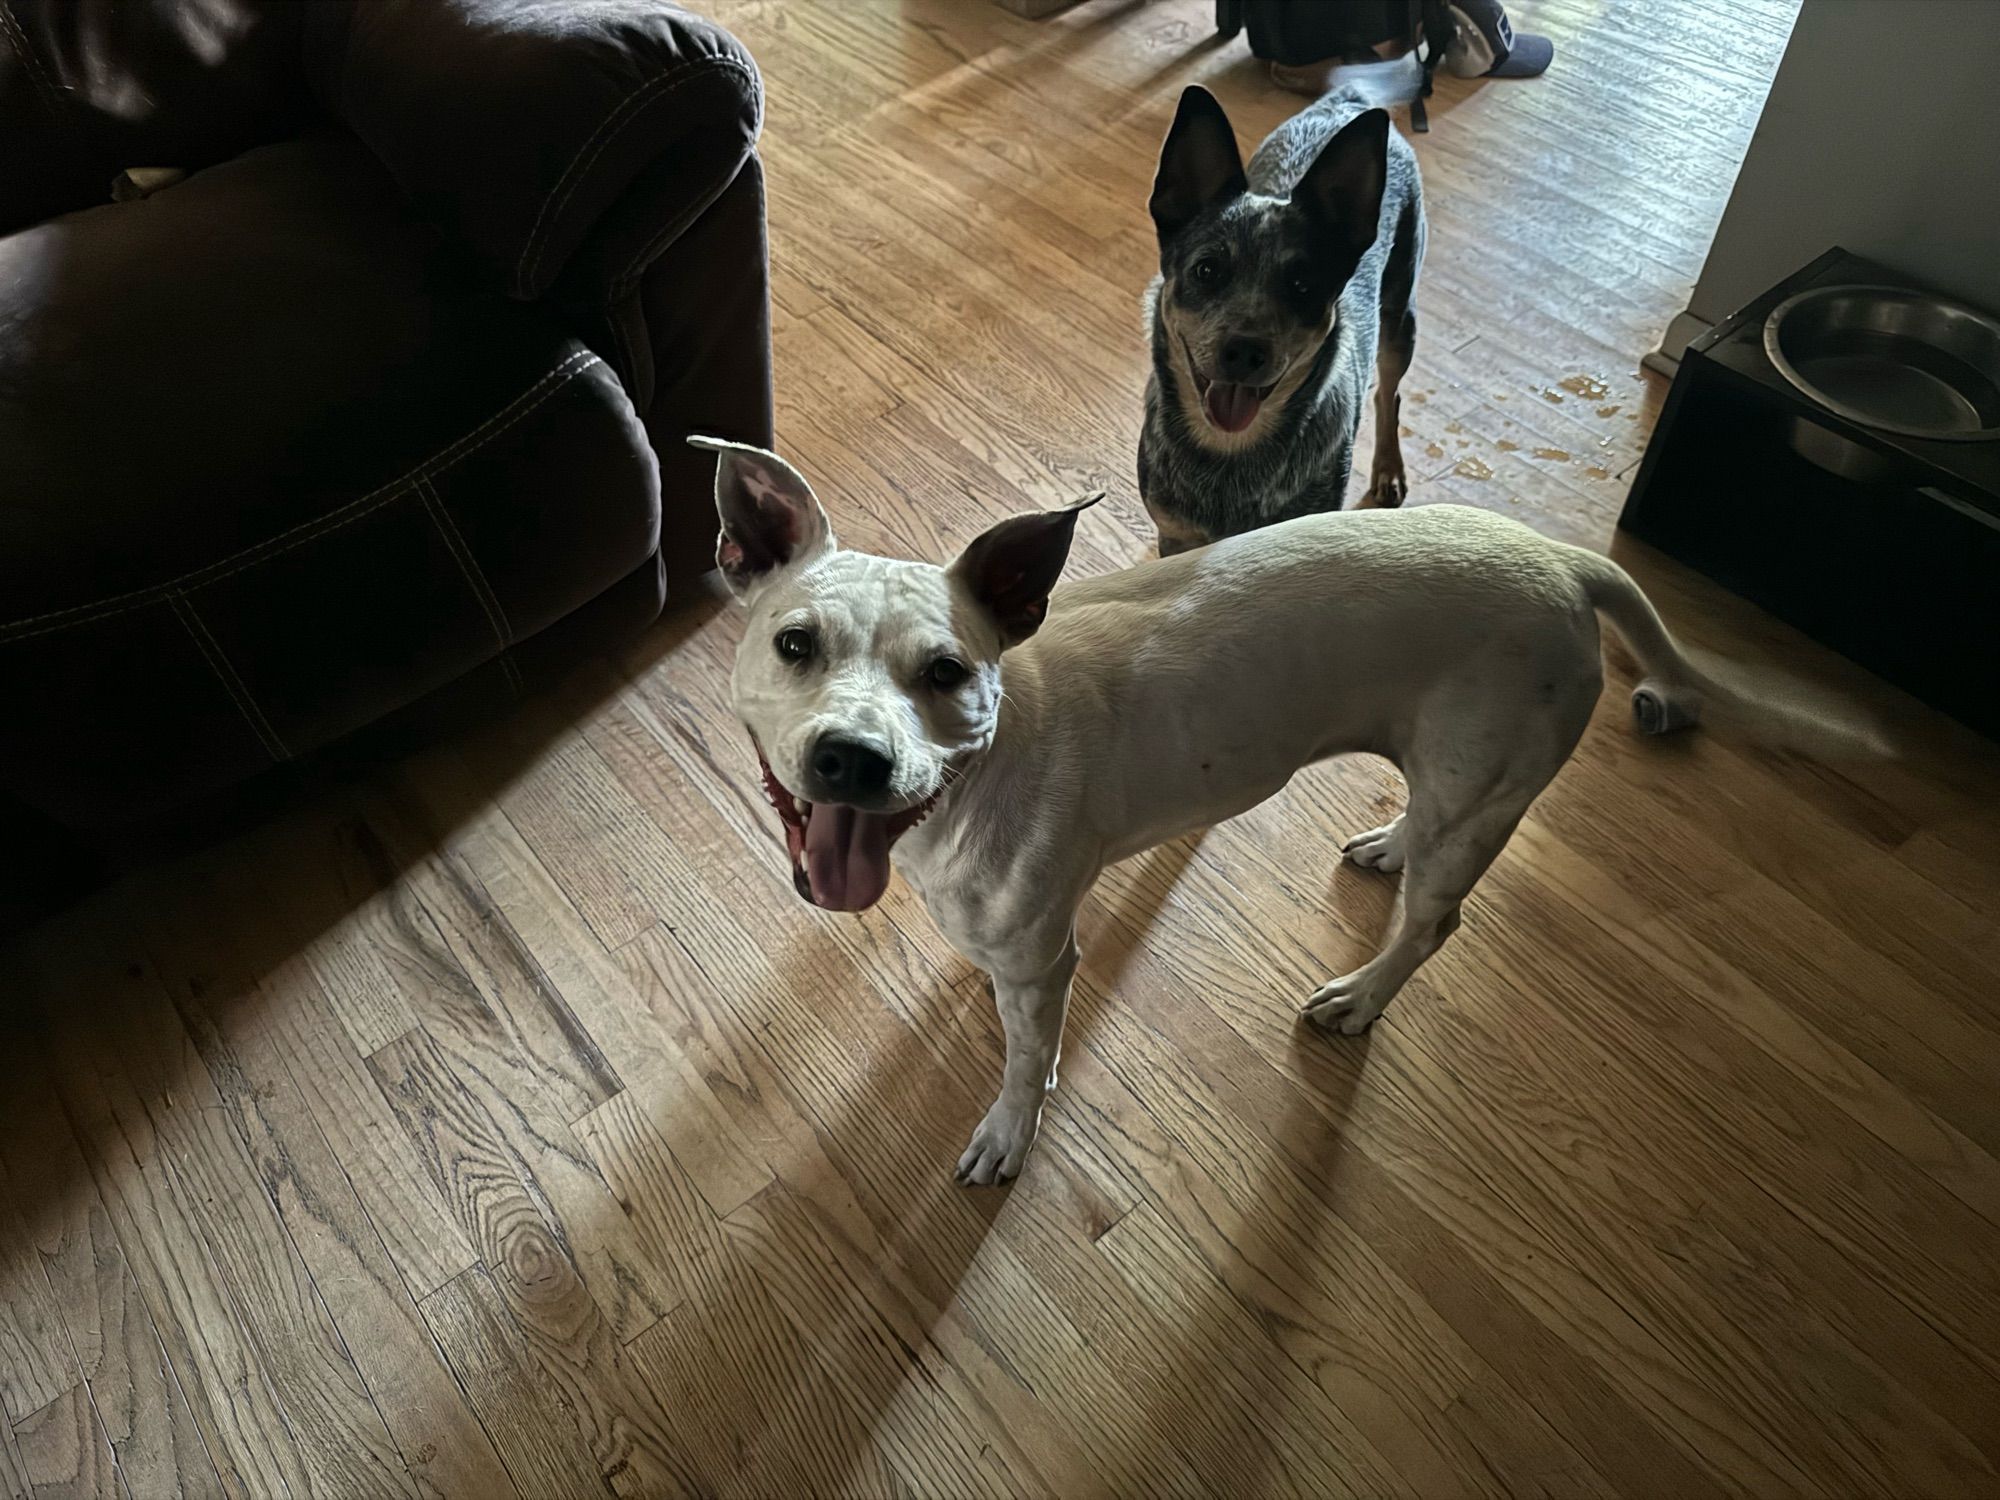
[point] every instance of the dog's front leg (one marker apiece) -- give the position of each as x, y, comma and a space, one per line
1031, 1013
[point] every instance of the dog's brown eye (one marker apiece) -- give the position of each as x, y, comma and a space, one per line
794, 643
947, 673
1207, 271
1301, 287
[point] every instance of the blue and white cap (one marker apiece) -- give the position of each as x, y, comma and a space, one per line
1484, 45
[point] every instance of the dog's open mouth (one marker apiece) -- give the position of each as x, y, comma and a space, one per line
840, 854
1230, 406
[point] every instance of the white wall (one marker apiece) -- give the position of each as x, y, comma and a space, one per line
1882, 135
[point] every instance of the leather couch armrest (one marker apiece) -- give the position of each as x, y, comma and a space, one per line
528, 130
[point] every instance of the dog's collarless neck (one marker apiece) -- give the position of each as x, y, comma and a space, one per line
1014, 732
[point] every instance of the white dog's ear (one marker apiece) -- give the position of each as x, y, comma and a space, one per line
1012, 568
770, 516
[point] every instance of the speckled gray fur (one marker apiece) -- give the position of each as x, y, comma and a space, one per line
1302, 462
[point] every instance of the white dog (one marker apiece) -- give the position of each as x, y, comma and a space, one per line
1138, 706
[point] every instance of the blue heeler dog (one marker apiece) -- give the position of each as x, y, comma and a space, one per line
1277, 289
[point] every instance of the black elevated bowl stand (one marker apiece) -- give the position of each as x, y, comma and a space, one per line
1885, 548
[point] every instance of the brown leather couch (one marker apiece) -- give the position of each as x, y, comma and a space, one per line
390, 390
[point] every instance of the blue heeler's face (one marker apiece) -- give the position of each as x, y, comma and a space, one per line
1250, 286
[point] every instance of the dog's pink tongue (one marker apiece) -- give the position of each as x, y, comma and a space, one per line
847, 857
1231, 407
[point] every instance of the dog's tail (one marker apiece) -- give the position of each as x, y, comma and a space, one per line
1677, 693
1375, 85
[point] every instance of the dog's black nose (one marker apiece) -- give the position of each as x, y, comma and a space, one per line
850, 768
1245, 361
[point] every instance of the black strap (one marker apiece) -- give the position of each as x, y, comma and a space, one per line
1430, 21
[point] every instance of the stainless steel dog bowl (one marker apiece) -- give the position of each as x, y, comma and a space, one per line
1890, 358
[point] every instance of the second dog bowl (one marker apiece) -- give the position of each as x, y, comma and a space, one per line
1890, 358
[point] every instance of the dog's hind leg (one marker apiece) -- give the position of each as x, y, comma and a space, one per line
1447, 852
1395, 345
1459, 819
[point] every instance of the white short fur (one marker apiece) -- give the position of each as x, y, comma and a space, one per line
1457, 643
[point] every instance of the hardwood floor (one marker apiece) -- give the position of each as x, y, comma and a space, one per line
500, 1124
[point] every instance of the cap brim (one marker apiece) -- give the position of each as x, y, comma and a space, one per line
1529, 58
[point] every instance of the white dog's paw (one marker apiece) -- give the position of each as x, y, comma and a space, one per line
1000, 1144
1348, 1004
1378, 848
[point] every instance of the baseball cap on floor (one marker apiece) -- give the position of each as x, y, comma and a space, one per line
1484, 45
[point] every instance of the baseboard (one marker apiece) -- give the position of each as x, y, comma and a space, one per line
1684, 330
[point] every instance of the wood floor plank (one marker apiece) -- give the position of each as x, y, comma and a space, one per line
921, 1406
1958, 854
1420, 1224
361, 945
1256, 1215
64, 1453
14, 1482
679, 1101
529, 1423
115, 1062
35, 1363
926, 1263
243, 1038
383, 1169
1679, 946
945, 1292
811, 1439
1202, 1422
107, 1325
333, 1420
1217, 1337
527, 1070
1734, 1315
594, 840
682, 1364
533, 1026
1125, 1434
1894, 1286
361, 929
273, 1206
133, 1386
1934, 1053
625, 1282
536, 1256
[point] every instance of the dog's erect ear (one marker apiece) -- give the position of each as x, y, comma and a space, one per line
1012, 568
1199, 165
770, 516
1343, 187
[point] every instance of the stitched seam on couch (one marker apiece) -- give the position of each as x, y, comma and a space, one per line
454, 540
25, 49
628, 279
226, 674
629, 109
306, 531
